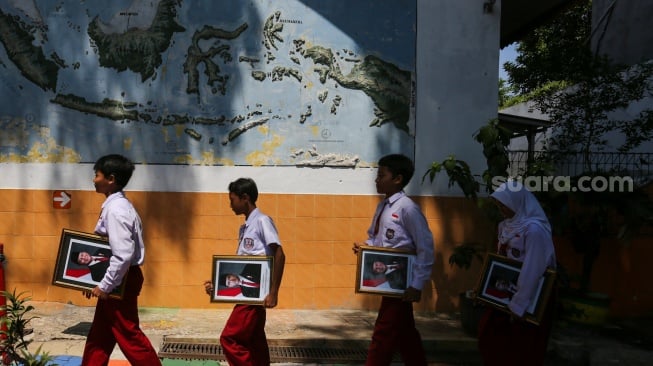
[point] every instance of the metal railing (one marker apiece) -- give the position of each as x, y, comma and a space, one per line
638, 166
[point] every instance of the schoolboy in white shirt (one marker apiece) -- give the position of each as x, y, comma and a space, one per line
399, 223
116, 320
243, 337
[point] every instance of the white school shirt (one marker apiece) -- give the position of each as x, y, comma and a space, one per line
403, 226
256, 234
120, 222
534, 248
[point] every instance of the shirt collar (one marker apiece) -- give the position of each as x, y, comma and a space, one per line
113, 196
252, 216
395, 197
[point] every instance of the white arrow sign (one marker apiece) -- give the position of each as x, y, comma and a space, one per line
63, 199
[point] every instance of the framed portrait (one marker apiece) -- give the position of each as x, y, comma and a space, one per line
383, 271
498, 283
241, 279
82, 261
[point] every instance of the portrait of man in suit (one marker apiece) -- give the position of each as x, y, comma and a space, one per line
386, 272
97, 262
246, 283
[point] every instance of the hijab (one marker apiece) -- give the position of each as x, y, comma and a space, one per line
526, 207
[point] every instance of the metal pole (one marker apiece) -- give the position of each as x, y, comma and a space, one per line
3, 302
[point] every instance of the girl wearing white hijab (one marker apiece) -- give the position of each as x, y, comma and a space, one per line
524, 235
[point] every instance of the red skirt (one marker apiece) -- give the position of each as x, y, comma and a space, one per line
506, 342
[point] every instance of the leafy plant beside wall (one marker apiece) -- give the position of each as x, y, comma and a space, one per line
15, 321
494, 139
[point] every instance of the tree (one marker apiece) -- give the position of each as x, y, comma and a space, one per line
584, 113
581, 90
583, 93
578, 89
554, 52
506, 93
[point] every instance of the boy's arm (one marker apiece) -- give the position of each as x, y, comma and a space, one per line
418, 228
122, 248
279, 259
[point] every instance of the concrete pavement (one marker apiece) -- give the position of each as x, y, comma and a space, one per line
315, 335
60, 329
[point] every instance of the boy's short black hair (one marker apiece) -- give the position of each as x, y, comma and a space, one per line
117, 165
244, 186
399, 164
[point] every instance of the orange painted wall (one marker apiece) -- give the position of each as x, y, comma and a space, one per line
183, 231
623, 271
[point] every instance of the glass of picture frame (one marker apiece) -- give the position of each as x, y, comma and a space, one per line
383, 271
498, 282
241, 279
70, 272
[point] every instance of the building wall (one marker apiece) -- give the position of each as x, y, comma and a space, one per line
621, 30
319, 212
620, 271
317, 232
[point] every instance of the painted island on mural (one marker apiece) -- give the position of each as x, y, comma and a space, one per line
258, 83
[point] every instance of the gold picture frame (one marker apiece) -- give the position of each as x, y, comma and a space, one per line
498, 282
383, 271
68, 273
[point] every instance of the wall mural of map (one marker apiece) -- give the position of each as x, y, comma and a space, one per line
220, 82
